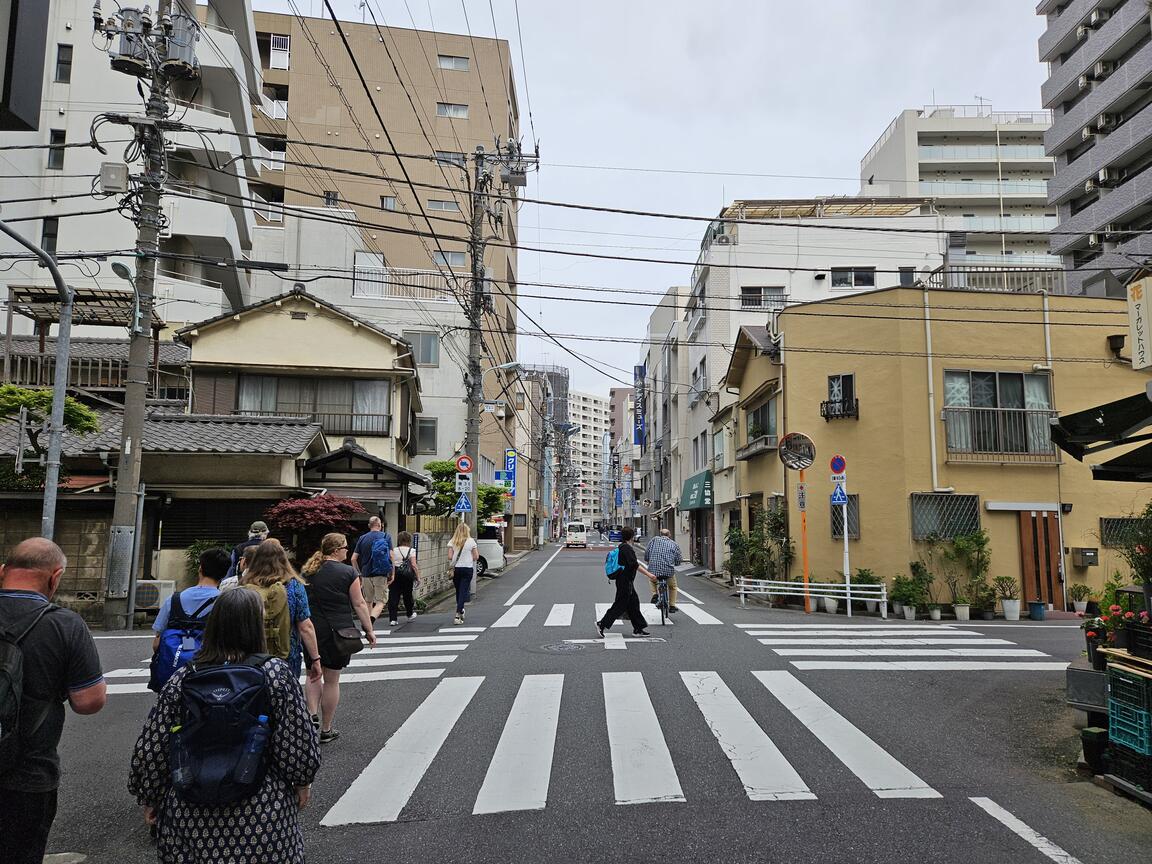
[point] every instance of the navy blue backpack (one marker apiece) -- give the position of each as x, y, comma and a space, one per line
179, 642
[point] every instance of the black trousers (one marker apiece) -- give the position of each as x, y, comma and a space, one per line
25, 820
400, 589
627, 603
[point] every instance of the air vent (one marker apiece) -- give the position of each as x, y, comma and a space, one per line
299, 316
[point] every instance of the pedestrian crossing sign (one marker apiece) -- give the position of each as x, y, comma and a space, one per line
464, 505
839, 498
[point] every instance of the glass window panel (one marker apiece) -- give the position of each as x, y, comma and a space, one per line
257, 394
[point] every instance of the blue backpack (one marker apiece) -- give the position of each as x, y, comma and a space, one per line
380, 559
179, 642
612, 567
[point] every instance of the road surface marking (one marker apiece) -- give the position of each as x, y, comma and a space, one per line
400, 661
514, 617
651, 613
561, 615
861, 627
927, 640
521, 767
908, 652
383, 788
761, 767
1071, 625
698, 615
1038, 841
684, 593
115, 689
848, 632
535, 576
930, 666
381, 632
614, 642
642, 769
386, 675
420, 640
129, 636
128, 673
415, 649
614, 635
877, 768
462, 629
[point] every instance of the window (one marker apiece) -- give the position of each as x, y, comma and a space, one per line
387, 202
450, 157
853, 519
719, 445
450, 259
63, 64
331, 199
452, 110
440, 204
853, 277
762, 420
907, 276
997, 412
426, 435
342, 405
842, 389
56, 153
48, 234
705, 453
520, 520
453, 62
280, 52
1113, 531
761, 297
425, 347
944, 515
695, 453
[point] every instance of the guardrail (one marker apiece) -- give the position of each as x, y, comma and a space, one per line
837, 590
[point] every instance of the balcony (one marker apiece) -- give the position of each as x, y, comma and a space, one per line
337, 423
1001, 280
980, 153
1039, 224
269, 211
273, 109
840, 409
1000, 436
757, 447
975, 190
104, 375
401, 284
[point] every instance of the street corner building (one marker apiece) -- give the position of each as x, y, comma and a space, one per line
944, 410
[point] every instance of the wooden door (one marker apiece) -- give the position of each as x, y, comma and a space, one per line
1040, 556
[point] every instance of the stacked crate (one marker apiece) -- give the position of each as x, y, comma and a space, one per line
1130, 711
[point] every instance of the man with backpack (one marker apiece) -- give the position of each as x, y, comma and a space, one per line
620, 567
179, 624
372, 559
257, 534
47, 658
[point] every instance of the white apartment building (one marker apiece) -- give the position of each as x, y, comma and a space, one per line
984, 171
79, 84
589, 413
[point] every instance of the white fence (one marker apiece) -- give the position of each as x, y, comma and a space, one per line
838, 590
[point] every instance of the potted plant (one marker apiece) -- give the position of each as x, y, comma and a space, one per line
864, 576
1009, 593
831, 604
934, 611
1080, 594
1109, 629
899, 593
961, 608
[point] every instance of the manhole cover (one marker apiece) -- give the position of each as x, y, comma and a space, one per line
562, 648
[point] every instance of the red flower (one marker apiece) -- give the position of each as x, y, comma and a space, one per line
1091, 634
1103, 617
1128, 616
1114, 608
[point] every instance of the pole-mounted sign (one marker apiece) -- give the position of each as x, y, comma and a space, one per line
798, 452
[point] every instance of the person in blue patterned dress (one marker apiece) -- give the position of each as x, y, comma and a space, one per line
262, 829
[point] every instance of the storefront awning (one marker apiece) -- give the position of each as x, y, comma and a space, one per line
697, 494
1104, 426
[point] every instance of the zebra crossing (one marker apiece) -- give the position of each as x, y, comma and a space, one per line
395, 658
898, 648
519, 770
566, 615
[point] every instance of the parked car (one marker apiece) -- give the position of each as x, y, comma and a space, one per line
491, 548
576, 534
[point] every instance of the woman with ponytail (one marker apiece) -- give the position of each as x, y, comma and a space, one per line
336, 600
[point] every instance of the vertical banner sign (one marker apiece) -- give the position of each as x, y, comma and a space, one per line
638, 405
1139, 346
619, 497
510, 468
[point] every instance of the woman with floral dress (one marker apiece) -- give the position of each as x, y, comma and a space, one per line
262, 829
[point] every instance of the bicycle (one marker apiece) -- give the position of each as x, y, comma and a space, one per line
662, 598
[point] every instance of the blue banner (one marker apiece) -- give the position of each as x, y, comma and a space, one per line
619, 497
638, 397
510, 469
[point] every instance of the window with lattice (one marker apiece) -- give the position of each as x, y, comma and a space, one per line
944, 515
853, 519
1114, 531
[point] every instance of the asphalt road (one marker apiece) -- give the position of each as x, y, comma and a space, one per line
531, 740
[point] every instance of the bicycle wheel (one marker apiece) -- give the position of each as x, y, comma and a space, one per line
662, 601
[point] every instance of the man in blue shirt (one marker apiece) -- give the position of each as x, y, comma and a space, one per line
373, 584
214, 564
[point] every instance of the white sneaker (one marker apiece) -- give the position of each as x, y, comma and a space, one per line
413, 615
391, 623
459, 619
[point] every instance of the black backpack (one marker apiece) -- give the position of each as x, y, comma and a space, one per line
404, 568
211, 752
12, 686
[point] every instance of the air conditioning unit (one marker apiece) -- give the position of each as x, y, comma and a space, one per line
1098, 18
1084, 82
1108, 177
1103, 69
151, 593
1086, 133
723, 240
1105, 122
1089, 186
1082, 31
1093, 240
1110, 230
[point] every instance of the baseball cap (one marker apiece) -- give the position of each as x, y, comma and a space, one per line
258, 528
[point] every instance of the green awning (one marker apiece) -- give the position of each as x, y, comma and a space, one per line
697, 494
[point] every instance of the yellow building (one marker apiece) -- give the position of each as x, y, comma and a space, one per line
941, 404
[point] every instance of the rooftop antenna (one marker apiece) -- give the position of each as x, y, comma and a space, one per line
983, 103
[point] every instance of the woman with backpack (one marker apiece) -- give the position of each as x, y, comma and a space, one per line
228, 785
337, 603
288, 628
463, 553
404, 577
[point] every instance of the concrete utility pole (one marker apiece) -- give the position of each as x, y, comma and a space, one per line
159, 56
481, 181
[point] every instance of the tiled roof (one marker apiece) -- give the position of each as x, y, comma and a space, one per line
171, 354
189, 433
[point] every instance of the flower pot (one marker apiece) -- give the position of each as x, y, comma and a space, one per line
910, 613
962, 611
988, 614
934, 613
1099, 661
1011, 609
1036, 610
830, 605
1122, 638
897, 607
871, 605
1080, 606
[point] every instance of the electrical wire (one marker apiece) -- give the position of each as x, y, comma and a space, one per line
524, 75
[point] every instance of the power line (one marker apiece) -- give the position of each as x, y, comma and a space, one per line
524, 74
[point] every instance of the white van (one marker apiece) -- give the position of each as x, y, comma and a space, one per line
576, 534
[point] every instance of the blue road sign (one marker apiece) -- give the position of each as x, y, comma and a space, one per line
464, 505
839, 498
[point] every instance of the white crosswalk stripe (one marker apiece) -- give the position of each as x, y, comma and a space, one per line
642, 769
561, 615
514, 617
893, 647
565, 614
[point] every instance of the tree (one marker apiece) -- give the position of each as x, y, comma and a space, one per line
489, 498
309, 519
79, 419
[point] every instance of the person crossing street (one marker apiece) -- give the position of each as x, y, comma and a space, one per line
662, 556
627, 602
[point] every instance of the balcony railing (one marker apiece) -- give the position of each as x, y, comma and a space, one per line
1005, 280
338, 423
999, 435
270, 211
756, 447
275, 109
402, 284
945, 188
962, 152
840, 409
97, 374
1039, 224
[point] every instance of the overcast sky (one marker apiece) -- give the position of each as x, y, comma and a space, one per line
723, 89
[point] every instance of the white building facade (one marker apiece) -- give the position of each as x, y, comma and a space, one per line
589, 413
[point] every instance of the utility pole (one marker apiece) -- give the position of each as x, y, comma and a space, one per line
160, 52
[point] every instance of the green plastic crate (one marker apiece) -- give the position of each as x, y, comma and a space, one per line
1130, 689
1130, 727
